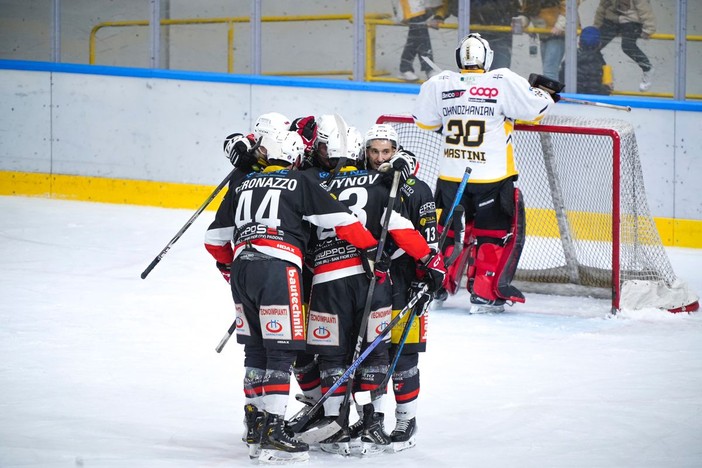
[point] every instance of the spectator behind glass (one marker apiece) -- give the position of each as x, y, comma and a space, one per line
416, 14
548, 14
491, 13
590, 64
631, 19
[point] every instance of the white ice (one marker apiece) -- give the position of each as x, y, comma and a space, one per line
100, 368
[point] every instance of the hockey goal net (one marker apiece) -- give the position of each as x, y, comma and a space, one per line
588, 226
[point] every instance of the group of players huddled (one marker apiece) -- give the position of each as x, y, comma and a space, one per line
297, 237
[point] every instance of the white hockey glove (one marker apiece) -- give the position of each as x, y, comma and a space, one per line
240, 151
403, 161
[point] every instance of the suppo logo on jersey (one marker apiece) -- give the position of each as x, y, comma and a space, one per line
323, 329
483, 92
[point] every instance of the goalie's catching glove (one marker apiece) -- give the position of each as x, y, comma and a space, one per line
372, 268
432, 271
226, 270
552, 87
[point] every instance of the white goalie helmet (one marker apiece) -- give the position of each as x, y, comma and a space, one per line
354, 145
474, 51
326, 124
270, 123
284, 146
381, 132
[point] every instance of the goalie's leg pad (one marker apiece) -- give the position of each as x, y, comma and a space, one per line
455, 271
513, 248
498, 256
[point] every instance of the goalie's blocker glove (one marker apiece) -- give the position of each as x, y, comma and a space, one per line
552, 87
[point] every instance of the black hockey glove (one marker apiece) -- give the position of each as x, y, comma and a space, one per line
404, 161
372, 268
306, 127
552, 87
226, 270
425, 298
432, 271
240, 151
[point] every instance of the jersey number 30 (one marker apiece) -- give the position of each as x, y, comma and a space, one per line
470, 133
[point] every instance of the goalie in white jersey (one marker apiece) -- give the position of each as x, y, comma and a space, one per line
475, 111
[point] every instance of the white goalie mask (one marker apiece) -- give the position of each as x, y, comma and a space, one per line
474, 51
284, 146
381, 132
271, 124
326, 124
354, 145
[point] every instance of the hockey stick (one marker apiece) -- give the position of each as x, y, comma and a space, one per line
165, 250
456, 201
343, 414
334, 427
595, 103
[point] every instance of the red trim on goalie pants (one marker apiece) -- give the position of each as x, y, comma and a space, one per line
278, 389
221, 253
340, 390
405, 397
495, 233
356, 234
253, 392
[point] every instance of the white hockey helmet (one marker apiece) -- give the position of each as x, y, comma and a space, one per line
354, 145
285, 146
381, 132
270, 123
474, 51
326, 124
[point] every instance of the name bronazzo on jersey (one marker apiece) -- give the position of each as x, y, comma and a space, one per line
268, 182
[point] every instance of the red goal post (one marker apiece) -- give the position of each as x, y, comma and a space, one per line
588, 225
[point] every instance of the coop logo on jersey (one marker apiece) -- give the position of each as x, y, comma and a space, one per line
242, 325
453, 94
323, 329
485, 92
275, 322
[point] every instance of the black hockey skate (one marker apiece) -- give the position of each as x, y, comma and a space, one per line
253, 424
278, 446
374, 439
403, 435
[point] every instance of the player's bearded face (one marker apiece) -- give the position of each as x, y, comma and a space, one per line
379, 151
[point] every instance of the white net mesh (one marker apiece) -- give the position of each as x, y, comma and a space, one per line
566, 175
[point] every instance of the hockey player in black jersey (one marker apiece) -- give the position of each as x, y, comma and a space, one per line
381, 143
273, 212
340, 288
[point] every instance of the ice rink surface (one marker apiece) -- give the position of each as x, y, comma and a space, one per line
100, 368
